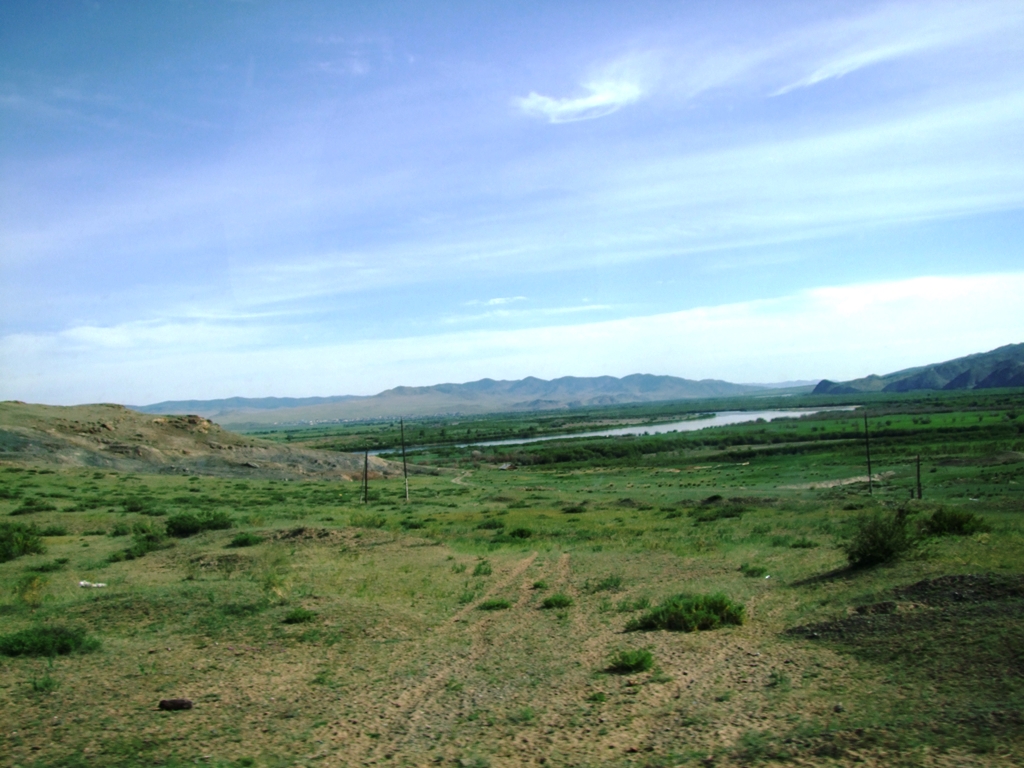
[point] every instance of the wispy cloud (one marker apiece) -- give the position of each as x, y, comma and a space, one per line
495, 302
890, 32
833, 331
603, 98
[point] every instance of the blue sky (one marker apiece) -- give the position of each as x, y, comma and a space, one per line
206, 199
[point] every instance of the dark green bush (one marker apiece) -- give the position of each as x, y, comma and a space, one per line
491, 525
144, 541
629, 662
246, 540
17, 539
954, 522
557, 600
299, 616
495, 604
120, 529
687, 613
53, 530
483, 568
47, 641
33, 504
186, 524
520, 533
52, 566
753, 571
411, 524
878, 538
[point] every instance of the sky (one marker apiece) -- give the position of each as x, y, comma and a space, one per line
204, 199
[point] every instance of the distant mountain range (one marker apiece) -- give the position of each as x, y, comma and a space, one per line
1002, 367
484, 396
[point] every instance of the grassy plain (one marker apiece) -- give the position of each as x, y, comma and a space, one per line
319, 630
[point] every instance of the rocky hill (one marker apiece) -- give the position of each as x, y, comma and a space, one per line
1002, 367
115, 437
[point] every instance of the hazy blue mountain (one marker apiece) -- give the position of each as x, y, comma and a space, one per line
483, 396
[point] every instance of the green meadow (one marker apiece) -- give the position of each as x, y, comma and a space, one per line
734, 596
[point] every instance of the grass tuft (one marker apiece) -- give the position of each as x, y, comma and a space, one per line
557, 600
688, 613
627, 662
299, 616
245, 539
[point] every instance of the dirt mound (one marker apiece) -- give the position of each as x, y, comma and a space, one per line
115, 437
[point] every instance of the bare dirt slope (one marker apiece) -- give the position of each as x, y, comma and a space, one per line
114, 437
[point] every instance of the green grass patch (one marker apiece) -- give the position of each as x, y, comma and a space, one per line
299, 616
185, 524
954, 522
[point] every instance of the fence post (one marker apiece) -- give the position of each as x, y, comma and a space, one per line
867, 448
919, 476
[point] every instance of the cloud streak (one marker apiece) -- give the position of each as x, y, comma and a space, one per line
603, 98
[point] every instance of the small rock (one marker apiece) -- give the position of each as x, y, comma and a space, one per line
174, 704
838, 708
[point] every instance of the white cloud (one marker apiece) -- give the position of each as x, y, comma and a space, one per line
604, 98
837, 332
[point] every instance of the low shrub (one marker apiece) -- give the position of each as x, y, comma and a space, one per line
878, 538
803, 543
367, 521
52, 566
17, 539
495, 604
186, 524
144, 541
483, 568
688, 613
120, 529
411, 524
540, 584
47, 641
520, 533
491, 525
557, 600
298, 616
711, 513
33, 504
953, 522
627, 662
53, 530
245, 539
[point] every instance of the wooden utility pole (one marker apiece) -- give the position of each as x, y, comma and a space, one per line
366, 476
867, 448
919, 475
405, 468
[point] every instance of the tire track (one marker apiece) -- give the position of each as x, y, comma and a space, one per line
403, 718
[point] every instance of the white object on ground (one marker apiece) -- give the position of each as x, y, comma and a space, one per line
90, 584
